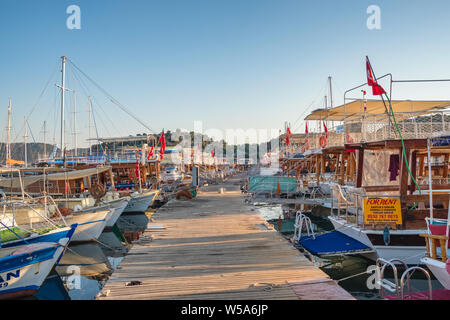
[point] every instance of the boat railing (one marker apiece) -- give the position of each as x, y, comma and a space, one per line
411, 125
30, 204
407, 274
433, 242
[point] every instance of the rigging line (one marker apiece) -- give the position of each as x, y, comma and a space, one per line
96, 129
80, 82
39, 98
112, 98
312, 103
32, 136
107, 117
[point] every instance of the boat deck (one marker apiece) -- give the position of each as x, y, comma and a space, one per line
216, 247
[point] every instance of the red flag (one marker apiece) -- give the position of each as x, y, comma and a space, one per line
288, 133
136, 170
376, 88
306, 130
162, 141
213, 153
150, 154
325, 128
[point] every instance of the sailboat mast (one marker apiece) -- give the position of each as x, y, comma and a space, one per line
63, 83
331, 98
8, 145
75, 122
25, 135
90, 111
45, 142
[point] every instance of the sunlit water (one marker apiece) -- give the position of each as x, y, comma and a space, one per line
85, 268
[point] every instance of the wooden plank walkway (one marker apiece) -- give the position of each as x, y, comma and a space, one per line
216, 247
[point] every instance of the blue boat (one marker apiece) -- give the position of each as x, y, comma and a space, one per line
25, 263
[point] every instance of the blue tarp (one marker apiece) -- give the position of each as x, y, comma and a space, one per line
332, 243
269, 184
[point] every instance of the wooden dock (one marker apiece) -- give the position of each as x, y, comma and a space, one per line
216, 247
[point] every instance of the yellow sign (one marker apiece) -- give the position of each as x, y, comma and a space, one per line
382, 211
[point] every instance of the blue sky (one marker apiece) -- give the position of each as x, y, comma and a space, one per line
231, 64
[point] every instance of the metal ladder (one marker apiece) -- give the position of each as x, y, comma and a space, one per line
300, 221
398, 287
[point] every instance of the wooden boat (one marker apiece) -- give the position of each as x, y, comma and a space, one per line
383, 214
24, 264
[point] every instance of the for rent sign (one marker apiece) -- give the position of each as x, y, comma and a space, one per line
382, 211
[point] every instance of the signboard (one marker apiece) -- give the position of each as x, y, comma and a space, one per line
382, 211
340, 129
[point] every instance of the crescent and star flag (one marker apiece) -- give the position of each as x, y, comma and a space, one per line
376, 88
306, 129
325, 128
162, 141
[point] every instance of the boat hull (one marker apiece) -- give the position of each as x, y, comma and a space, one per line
141, 202
403, 245
439, 271
119, 206
90, 224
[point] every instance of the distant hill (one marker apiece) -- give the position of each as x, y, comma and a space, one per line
34, 151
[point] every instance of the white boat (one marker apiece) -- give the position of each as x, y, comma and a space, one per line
91, 222
119, 206
171, 174
140, 202
403, 249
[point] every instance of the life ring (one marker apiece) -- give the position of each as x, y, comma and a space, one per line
97, 191
323, 141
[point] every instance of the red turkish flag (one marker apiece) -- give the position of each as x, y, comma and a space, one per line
288, 133
150, 154
162, 141
376, 88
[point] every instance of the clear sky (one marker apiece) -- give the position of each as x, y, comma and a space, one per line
230, 63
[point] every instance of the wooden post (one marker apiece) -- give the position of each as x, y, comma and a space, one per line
421, 166
318, 168
359, 169
413, 166
445, 173
342, 179
404, 179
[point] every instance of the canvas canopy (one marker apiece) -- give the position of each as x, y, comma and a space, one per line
353, 110
14, 183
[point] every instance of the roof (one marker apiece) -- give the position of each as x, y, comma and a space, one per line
14, 183
353, 110
124, 139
